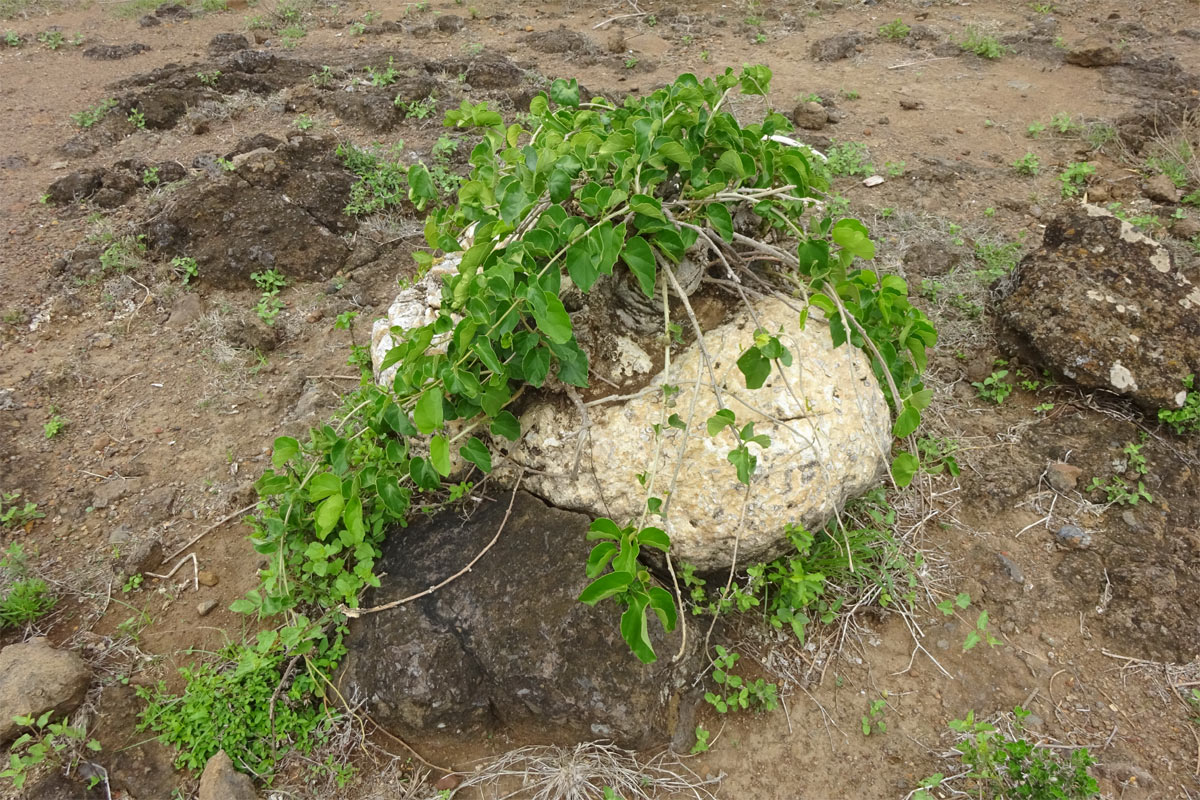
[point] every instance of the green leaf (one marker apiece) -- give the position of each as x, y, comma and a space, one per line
664, 606
477, 453
854, 238
599, 557
604, 528
720, 420
286, 448
428, 414
551, 317
439, 454
639, 257
582, 266
536, 366
755, 367
907, 422
538, 105
324, 485
633, 630
904, 468
720, 220
650, 206
394, 498
605, 586
654, 537
744, 462
506, 425
565, 93
420, 186
327, 514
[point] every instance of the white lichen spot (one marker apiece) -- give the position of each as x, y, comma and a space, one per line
631, 359
1192, 299
1121, 378
1161, 260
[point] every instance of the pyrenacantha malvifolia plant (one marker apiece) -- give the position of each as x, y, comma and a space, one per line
583, 192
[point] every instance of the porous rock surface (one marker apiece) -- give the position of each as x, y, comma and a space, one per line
1107, 307
280, 209
508, 643
828, 423
36, 678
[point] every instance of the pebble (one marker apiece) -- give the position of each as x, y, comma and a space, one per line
1130, 519
447, 782
207, 578
1011, 569
1073, 538
205, 607
1063, 477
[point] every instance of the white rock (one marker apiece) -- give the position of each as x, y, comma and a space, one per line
828, 422
414, 307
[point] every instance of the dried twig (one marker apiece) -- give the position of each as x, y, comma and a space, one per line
182, 561
211, 528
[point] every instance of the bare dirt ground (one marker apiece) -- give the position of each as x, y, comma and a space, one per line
172, 394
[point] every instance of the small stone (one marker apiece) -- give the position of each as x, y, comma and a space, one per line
1161, 189
960, 130
120, 535
1093, 52
909, 104
102, 341
207, 578
205, 608
1073, 538
447, 782
187, 309
1186, 228
149, 21
1063, 477
1130, 519
221, 781
36, 678
810, 116
225, 43
100, 442
1011, 569
874, 180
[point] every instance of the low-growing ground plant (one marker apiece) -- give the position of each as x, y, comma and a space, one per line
895, 30
849, 158
24, 598
995, 387
1186, 418
996, 763
1128, 488
735, 693
186, 268
90, 116
270, 282
1074, 178
982, 45
13, 513
1028, 165
46, 743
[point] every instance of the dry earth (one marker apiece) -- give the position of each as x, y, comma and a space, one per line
173, 394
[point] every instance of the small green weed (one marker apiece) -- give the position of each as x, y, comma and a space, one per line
702, 736
995, 387
137, 119
1074, 178
150, 177
982, 45
1028, 165
1009, 765
270, 282
304, 122
998, 258
895, 30
894, 169
1035, 130
25, 598
1063, 124
849, 158
1186, 418
292, 35
416, 109
322, 79
937, 455
186, 268
631, 62
1119, 491
12, 39
14, 514
124, 254
45, 742
90, 116
51, 40
55, 425
873, 721
209, 78
734, 691
383, 77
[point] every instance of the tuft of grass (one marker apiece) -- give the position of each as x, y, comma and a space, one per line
895, 30
982, 44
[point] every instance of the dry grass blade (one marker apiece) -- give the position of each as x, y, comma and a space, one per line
583, 772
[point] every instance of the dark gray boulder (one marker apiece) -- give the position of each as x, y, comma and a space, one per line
508, 644
1107, 307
